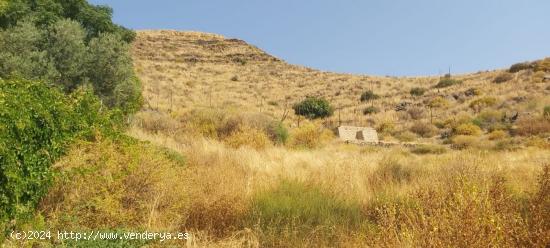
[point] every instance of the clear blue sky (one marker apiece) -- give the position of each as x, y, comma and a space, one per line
379, 37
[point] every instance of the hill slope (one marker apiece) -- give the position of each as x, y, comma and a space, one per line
185, 70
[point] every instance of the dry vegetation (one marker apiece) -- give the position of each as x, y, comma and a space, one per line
215, 160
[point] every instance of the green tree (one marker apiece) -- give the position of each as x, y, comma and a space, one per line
111, 72
21, 55
43, 13
313, 108
67, 50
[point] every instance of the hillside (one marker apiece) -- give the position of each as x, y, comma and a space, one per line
186, 70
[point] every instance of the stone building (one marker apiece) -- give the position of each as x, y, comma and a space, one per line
357, 134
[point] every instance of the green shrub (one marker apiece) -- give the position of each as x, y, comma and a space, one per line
278, 133
36, 124
313, 108
417, 91
370, 110
368, 95
446, 82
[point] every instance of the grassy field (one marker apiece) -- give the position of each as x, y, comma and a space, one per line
209, 154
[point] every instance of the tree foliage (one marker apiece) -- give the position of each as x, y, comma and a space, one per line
43, 13
54, 44
313, 108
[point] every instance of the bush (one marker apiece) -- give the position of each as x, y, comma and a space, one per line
424, 130
467, 129
370, 110
368, 95
519, 67
490, 120
278, 133
36, 125
417, 91
313, 108
416, 113
446, 82
498, 135
503, 77
154, 122
245, 136
406, 136
309, 135
481, 103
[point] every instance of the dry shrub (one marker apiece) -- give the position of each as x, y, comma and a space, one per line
503, 77
110, 185
532, 126
216, 187
425, 130
274, 130
246, 136
217, 199
392, 170
204, 122
498, 135
310, 135
467, 129
154, 122
535, 141
466, 208
416, 113
406, 136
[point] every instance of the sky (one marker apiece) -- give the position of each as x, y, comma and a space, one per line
375, 37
